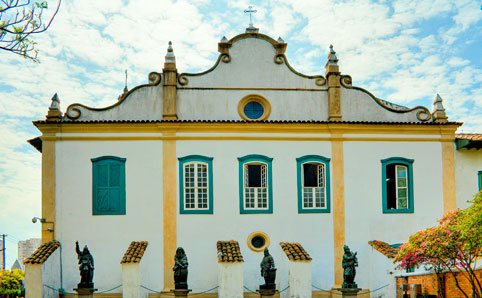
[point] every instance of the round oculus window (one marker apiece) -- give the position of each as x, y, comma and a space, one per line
258, 241
253, 110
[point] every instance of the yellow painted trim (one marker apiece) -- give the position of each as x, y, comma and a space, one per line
250, 127
448, 172
338, 208
254, 98
169, 209
243, 138
48, 190
261, 234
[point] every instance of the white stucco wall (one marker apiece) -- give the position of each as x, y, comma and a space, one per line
51, 274
382, 270
109, 236
33, 281
222, 105
230, 280
299, 280
144, 103
364, 218
467, 164
252, 66
130, 280
357, 105
198, 234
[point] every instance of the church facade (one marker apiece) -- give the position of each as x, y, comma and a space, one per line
249, 151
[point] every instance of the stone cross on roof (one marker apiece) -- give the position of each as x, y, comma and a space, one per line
251, 27
250, 10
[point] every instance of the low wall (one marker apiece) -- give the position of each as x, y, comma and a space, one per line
429, 283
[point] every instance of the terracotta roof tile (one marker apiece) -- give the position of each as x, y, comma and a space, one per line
385, 248
469, 136
228, 251
294, 251
42, 253
135, 252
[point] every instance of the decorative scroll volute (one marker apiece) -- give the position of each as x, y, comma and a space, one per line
423, 114
74, 111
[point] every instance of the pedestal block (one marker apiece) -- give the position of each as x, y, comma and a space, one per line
349, 292
181, 292
85, 292
230, 278
267, 292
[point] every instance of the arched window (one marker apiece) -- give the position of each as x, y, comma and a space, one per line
313, 173
108, 185
196, 184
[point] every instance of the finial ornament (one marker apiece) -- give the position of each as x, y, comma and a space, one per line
54, 114
55, 105
125, 89
251, 28
170, 58
332, 59
224, 39
438, 111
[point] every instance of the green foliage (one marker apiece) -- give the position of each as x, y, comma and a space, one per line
18, 20
11, 281
42, 4
453, 245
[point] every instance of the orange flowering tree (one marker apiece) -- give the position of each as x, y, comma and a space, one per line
453, 245
11, 282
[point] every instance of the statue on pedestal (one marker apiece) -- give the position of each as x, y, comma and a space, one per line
268, 271
349, 263
180, 269
86, 267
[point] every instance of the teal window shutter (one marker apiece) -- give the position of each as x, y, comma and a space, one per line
313, 181
195, 184
480, 180
397, 185
255, 184
108, 186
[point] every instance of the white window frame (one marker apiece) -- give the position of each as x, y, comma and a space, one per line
321, 180
196, 188
397, 187
257, 190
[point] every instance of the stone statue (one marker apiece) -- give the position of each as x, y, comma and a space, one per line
86, 267
349, 263
180, 269
268, 271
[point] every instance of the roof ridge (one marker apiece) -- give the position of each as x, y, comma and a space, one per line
229, 252
42, 253
134, 252
295, 251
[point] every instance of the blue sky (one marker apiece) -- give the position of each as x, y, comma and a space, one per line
403, 51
